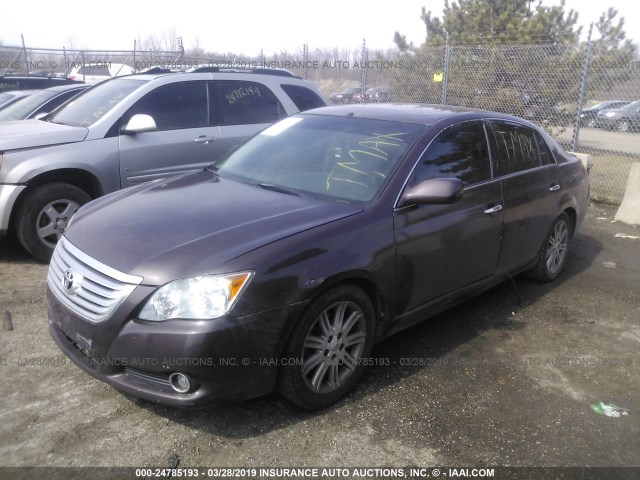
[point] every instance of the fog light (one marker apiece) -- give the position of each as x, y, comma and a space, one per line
180, 382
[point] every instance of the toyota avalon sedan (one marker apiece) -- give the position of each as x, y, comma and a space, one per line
280, 266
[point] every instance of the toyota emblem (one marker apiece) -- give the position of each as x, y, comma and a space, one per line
71, 282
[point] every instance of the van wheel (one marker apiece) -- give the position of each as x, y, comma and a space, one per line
327, 351
554, 252
44, 214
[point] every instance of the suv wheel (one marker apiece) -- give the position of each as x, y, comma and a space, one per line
44, 215
327, 351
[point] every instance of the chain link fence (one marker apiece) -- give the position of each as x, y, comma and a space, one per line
552, 85
560, 87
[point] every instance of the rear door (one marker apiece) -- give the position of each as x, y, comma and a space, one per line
530, 188
183, 141
243, 108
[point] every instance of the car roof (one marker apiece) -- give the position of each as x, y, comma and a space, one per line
423, 114
64, 88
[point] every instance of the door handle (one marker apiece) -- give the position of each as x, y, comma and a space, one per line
553, 188
204, 139
493, 209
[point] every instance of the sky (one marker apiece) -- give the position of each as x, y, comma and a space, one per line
243, 27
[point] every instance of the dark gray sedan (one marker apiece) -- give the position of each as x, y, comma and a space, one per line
280, 266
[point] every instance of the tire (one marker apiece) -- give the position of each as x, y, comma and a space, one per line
591, 123
623, 126
43, 216
554, 252
329, 344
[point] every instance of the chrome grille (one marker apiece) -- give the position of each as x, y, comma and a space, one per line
95, 291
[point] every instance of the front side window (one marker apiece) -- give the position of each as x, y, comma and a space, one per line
516, 148
175, 106
243, 103
458, 152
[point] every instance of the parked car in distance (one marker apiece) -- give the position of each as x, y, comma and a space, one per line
624, 119
95, 72
16, 81
346, 96
130, 130
588, 117
40, 102
282, 264
9, 97
373, 95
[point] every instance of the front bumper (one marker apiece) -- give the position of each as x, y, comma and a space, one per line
225, 359
8, 196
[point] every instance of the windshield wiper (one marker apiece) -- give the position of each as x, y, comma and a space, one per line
277, 188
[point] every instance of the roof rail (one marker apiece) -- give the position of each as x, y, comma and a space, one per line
259, 71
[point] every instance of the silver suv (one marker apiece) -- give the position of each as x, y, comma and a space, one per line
131, 130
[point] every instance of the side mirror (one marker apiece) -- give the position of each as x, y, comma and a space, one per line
140, 123
434, 191
41, 115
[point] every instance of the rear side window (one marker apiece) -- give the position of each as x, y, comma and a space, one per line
516, 148
302, 97
179, 105
546, 157
247, 103
458, 152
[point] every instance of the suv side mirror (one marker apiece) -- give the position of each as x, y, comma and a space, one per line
140, 123
435, 191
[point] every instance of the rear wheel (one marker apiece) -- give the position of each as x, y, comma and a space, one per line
44, 214
327, 347
554, 252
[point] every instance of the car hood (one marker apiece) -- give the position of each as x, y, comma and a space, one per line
20, 134
191, 225
617, 111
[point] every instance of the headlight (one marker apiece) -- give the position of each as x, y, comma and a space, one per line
196, 298
610, 114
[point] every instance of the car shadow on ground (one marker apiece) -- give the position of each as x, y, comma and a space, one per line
432, 339
12, 252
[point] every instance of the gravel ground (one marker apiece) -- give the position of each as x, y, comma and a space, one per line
493, 382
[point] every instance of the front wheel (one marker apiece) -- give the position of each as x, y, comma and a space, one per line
327, 351
554, 252
44, 214
623, 126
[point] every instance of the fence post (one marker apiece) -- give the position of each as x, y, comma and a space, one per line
445, 80
305, 59
363, 71
24, 49
583, 85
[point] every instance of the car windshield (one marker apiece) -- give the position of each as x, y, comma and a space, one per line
340, 158
23, 107
88, 107
632, 106
604, 105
